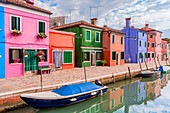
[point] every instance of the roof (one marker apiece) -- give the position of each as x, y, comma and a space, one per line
151, 29
26, 5
82, 22
62, 32
111, 29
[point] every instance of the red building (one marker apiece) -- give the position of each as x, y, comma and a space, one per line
113, 46
61, 50
164, 49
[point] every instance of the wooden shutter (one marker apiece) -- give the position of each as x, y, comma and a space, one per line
21, 55
10, 56
122, 55
67, 56
83, 56
113, 55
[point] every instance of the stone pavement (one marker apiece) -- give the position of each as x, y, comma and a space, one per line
65, 76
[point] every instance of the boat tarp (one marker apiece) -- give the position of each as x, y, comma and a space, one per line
73, 89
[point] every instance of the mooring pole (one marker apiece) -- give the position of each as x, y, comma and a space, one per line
113, 78
129, 73
155, 63
140, 65
41, 79
158, 62
146, 64
166, 61
85, 72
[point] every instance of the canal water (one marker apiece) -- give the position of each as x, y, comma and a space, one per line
148, 95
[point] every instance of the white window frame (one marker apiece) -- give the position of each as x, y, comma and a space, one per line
63, 56
20, 22
90, 36
99, 37
114, 39
16, 48
38, 26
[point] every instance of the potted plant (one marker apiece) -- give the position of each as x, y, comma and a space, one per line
16, 32
16, 60
42, 59
26, 54
40, 54
103, 62
41, 36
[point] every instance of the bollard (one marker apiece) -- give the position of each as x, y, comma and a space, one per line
85, 72
140, 65
129, 73
146, 64
155, 63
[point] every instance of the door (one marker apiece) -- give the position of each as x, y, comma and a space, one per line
57, 58
31, 61
117, 59
93, 59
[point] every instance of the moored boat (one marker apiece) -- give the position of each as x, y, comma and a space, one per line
149, 73
66, 95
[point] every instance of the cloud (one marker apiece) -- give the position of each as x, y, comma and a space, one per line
114, 12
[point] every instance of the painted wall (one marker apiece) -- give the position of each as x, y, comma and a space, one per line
150, 48
61, 41
142, 87
158, 48
2, 43
164, 50
27, 40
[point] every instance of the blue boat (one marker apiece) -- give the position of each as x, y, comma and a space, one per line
65, 95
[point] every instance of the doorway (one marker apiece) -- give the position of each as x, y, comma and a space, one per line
57, 59
93, 58
117, 59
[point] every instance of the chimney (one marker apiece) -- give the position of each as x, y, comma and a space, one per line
146, 27
30, 2
104, 25
93, 21
128, 22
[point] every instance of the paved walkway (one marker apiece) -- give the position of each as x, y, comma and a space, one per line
64, 76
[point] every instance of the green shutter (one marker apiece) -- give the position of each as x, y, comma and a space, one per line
113, 55
43, 27
152, 55
113, 102
143, 34
67, 56
148, 44
97, 36
151, 36
21, 55
87, 35
113, 38
152, 45
145, 44
140, 43
83, 56
122, 55
145, 55
10, 56
120, 99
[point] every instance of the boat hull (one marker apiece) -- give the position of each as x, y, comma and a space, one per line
47, 103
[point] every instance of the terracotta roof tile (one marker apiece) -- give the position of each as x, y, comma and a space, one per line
23, 4
111, 29
150, 29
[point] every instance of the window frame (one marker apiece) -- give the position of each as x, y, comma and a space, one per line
38, 25
41, 49
20, 22
16, 48
114, 39
90, 35
99, 37
112, 55
100, 55
72, 56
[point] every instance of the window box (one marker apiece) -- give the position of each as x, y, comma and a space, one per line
41, 36
16, 60
16, 32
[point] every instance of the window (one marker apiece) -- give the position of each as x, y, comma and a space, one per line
150, 94
86, 56
145, 44
97, 37
152, 55
121, 99
113, 55
148, 55
88, 35
148, 44
45, 56
98, 54
152, 45
41, 27
151, 36
140, 43
15, 23
162, 46
139, 90
143, 34
140, 55
145, 55
113, 39
152, 85
121, 40
15, 55
113, 103
122, 55
67, 57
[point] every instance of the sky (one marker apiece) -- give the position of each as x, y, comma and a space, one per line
112, 13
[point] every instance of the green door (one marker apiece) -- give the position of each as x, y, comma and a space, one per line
31, 62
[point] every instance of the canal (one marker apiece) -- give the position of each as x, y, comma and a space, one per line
148, 95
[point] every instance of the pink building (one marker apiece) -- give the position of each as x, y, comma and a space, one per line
23, 23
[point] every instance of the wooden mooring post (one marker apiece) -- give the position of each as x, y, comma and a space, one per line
146, 64
158, 62
113, 76
166, 61
85, 73
41, 79
129, 73
155, 63
140, 65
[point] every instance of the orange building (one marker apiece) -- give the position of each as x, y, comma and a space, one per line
61, 49
113, 46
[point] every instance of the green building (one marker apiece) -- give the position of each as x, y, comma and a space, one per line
88, 42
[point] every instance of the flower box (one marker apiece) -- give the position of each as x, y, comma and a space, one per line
16, 60
16, 32
41, 36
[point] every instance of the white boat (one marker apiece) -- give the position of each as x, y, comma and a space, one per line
149, 73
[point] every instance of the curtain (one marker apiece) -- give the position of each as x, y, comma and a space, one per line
57, 58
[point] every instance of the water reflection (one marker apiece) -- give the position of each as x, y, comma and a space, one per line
131, 96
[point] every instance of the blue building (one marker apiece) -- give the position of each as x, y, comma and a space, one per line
135, 43
142, 86
2, 43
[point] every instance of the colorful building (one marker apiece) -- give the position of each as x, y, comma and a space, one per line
164, 49
61, 51
113, 46
135, 43
2, 43
23, 23
88, 42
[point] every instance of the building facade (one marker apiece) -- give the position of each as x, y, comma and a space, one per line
88, 42
23, 23
135, 43
113, 46
164, 49
61, 49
